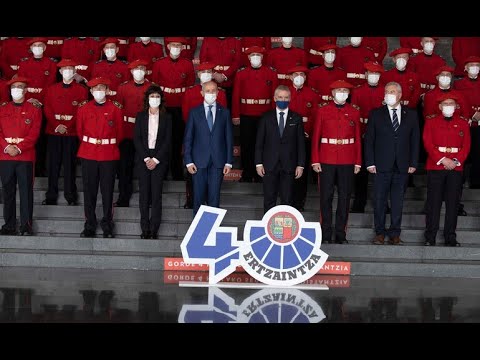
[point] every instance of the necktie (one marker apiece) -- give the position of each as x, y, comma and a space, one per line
210, 117
395, 120
281, 124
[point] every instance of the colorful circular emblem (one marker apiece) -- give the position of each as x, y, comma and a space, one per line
282, 227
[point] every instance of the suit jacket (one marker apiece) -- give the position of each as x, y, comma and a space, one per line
200, 144
289, 149
164, 137
383, 147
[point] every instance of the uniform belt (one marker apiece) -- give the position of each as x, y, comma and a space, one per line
404, 102
122, 42
34, 90
11, 140
282, 76
337, 141
444, 149
364, 120
81, 67
355, 76
129, 119
255, 101
54, 42
186, 47
99, 141
476, 108
327, 97
315, 52
172, 90
305, 119
63, 117
14, 67
222, 67
427, 86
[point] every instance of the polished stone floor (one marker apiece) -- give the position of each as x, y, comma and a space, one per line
73, 295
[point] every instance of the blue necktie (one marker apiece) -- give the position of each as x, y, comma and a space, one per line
281, 124
395, 120
210, 117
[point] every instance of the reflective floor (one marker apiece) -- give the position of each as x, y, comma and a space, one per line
71, 295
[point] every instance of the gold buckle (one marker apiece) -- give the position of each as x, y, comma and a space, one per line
448, 150
14, 141
99, 141
339, 141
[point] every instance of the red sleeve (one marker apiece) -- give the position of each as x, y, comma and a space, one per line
186, 107
428, 105
204, 50
358, 140
49, 114
236, 62
382, 51
79, 123
236, 97
193, 45
119, 119
190, 74
431, 150
268, 43
306, 43
32, 136
463, 153
222, 98
317, 131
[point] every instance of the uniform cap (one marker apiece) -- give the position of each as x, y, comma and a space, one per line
255, 49
205, 66
373, 67
37, 39
67, 62
401, 51
294, 69
446, 95
138, 62
472, 59
110, 40
18, 79
328, 47
98, 80
444, 68
175, 39
341, 84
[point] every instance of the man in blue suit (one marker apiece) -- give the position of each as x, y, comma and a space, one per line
392, 143
208, 147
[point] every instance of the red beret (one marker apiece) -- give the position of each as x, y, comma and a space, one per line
444, 68
341, 84
37, 39
67, 62
138, 62
471, 59
303, 69
328, 47
98, 80
446, 95
18, 79
205, 66
255, 49
110, 40
373, 66
401, 51
175, 39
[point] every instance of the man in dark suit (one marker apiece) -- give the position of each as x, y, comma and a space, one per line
392, 144
208, 144
280, 150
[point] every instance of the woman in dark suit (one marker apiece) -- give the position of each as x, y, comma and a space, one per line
153, 137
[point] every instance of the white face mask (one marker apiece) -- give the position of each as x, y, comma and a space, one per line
67, 74
298, 80
210, 98
175, 51
110, 53
99, 95
329, 57
256, 61
205, 76
444, 81
16, 93
355, 41
473, 70
448, 110
428, 47
287, 41
373, 78
154, 102
37, 50
400, 63
145, 39
341, 97
138, 74
390, 99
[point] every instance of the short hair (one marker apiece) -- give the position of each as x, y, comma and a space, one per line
152, 90
394, 83
209, 82
282, 88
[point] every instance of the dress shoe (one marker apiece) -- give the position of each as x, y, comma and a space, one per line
453, 243
26, 230
245, 180
429, 243
379, 239
395, 240
72, 202
461, 212
188, 205
154, 236
87, 233
49, 202
145, 235
341, 241
388, 210
6, 231
108, 234
121, 204
357, 210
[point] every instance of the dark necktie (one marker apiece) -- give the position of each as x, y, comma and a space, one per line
395, 120
210, 117
281, 124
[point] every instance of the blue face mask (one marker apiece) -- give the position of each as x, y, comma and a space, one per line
282, 104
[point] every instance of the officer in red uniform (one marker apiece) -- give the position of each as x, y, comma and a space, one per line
20, 123
304, 101
193, 97
226, 52
147, 50
321, 77
188, 48
447, 140
463, 47
379, 46
261, 41
412, 42
312, 46
352, 57
284, 58
175, 74
367, 97
13, 50
54, 47
130, 95
99, 130
85, 51
252, 95
112, 68
122, 44
336, 156
61, 104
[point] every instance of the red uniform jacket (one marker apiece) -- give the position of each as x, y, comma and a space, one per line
283, 59
13, 50
246, 42
84, 51
430, 104
379, 46
174, 77
19, 125
304, 101
188, 50
439, 133
425, 66
312, 46
321, 77
193, 97
470, 89
337, 124
54, 46
130, 95
253, 91
116, 71
151, 52
41, 72
409, 82
351, 59
99, 129
61, 104
367, 97
463, 47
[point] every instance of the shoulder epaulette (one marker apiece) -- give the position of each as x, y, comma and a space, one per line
82, 103
271, 67
24, 59
322, 104
37, 104
4, 103
242, 68
54, 60
430, 116
117, 104
356, 106
463, 118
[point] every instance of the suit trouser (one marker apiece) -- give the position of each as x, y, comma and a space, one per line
342, 176
178, 130
125, 170
62, 150
300, 185
393, 182
475, 156
277, 182
41, 148
150, 183
248, 136
361, 184
206, 186
443, 184
95, 173
12, 172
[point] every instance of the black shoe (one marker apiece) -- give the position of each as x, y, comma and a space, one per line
87, 233
429, 243
341, 241
5, 231
245, 180
453, 243
145, 235
26, 230
154, 236
388, 210
49, 202
72, 202
461, 212
121, 204
108, 234
258, 179
188, 205
357, 210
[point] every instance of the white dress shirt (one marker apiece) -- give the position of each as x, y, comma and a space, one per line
399, 113
152, 133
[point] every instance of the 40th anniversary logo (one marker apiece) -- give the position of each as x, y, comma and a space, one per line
282, 249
